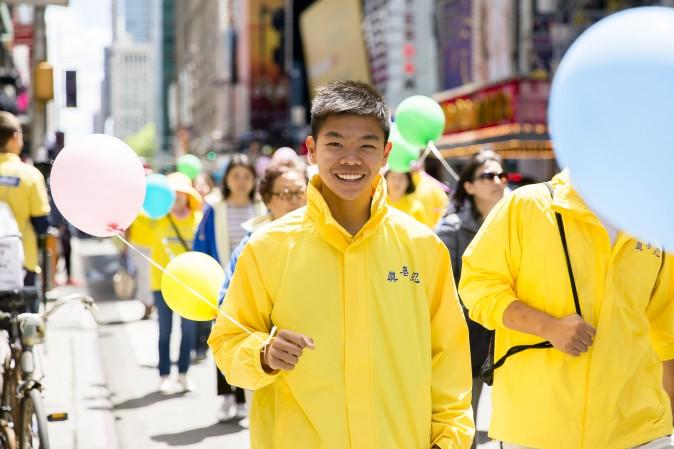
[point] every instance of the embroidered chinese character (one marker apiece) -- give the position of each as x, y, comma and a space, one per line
415, 278
392, 276
405, 271
640, 246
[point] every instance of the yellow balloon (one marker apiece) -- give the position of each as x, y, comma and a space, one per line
202, 274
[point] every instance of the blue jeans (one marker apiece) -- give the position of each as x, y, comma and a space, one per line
188, 330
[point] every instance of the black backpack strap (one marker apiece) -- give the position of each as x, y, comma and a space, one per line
562, 235
487, 371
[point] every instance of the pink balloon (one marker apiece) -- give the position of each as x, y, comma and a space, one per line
98, 184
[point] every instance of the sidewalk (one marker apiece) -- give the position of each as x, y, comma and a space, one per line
74, 381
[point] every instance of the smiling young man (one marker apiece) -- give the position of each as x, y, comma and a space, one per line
372, 350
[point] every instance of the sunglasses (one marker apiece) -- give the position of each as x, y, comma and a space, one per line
288, 195
491, 176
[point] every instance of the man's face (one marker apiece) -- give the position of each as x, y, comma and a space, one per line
349, 151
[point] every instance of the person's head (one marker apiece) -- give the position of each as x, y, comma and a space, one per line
350, 125
482, 181
11, 137
203, 184
399, 184
283, 188
186, 195
239, 178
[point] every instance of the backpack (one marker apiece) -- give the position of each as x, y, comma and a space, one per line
11, 250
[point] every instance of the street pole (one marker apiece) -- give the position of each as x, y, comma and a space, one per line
38, 108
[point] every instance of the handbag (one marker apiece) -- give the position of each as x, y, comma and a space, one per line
123, 282
488, 367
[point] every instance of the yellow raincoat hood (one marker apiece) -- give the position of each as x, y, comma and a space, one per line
610, 397
391, 368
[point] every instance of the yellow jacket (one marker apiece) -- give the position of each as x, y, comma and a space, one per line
165, 243
391, 368
434, 199
22, 186
413, 207
610, 397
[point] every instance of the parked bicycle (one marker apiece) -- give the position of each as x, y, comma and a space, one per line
23, 420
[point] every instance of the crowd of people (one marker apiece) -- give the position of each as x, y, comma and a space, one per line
350, 277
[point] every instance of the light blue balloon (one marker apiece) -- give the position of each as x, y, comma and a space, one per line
611, 120
159, 196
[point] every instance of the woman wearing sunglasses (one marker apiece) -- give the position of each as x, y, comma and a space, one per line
481, 185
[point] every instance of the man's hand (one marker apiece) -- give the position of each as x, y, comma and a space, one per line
284, 351
570, 334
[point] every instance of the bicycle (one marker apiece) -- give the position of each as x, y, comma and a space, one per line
23, 419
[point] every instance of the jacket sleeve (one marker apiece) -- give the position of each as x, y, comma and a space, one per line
452, 423
204, 238
237, 352
660, 311
229, 269
487, 274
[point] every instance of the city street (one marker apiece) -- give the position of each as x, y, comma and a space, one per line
107, 378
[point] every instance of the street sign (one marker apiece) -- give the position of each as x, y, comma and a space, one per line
37, 2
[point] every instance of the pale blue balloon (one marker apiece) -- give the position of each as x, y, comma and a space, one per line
611, 120
159, 196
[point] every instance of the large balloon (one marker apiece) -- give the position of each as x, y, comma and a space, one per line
190, 165
159, 196
403, 154
98, 184
201, 273
420, 120
612, 120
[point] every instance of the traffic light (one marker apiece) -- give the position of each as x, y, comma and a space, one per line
71, 89
43, 82
278, 21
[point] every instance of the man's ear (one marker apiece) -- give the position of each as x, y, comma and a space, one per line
387, 151
311, 146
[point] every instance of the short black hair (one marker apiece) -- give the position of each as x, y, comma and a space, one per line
238, 160
349, 97
9, 125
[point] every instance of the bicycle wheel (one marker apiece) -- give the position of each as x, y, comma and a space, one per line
33, 425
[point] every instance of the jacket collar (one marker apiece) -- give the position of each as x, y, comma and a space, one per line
4, 157
568, 201
256, 223
319, 213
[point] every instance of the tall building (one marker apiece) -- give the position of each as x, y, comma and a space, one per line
203, 88
166, 55
139, 19
132, 72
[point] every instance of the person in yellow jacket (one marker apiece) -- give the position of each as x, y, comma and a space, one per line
372, 350
433, 197
171, 236
608, 380
399, 187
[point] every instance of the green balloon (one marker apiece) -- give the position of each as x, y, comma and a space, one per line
189, 165
420, 119
403, 153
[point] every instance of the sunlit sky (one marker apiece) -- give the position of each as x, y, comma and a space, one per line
76, 37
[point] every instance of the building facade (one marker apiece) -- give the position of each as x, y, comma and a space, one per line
132, 70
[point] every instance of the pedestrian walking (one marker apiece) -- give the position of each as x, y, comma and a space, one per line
400, 189
218, 234
598, 304
372, 350
172, 236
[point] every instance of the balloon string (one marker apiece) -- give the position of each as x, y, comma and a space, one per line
442, 160
194, 292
